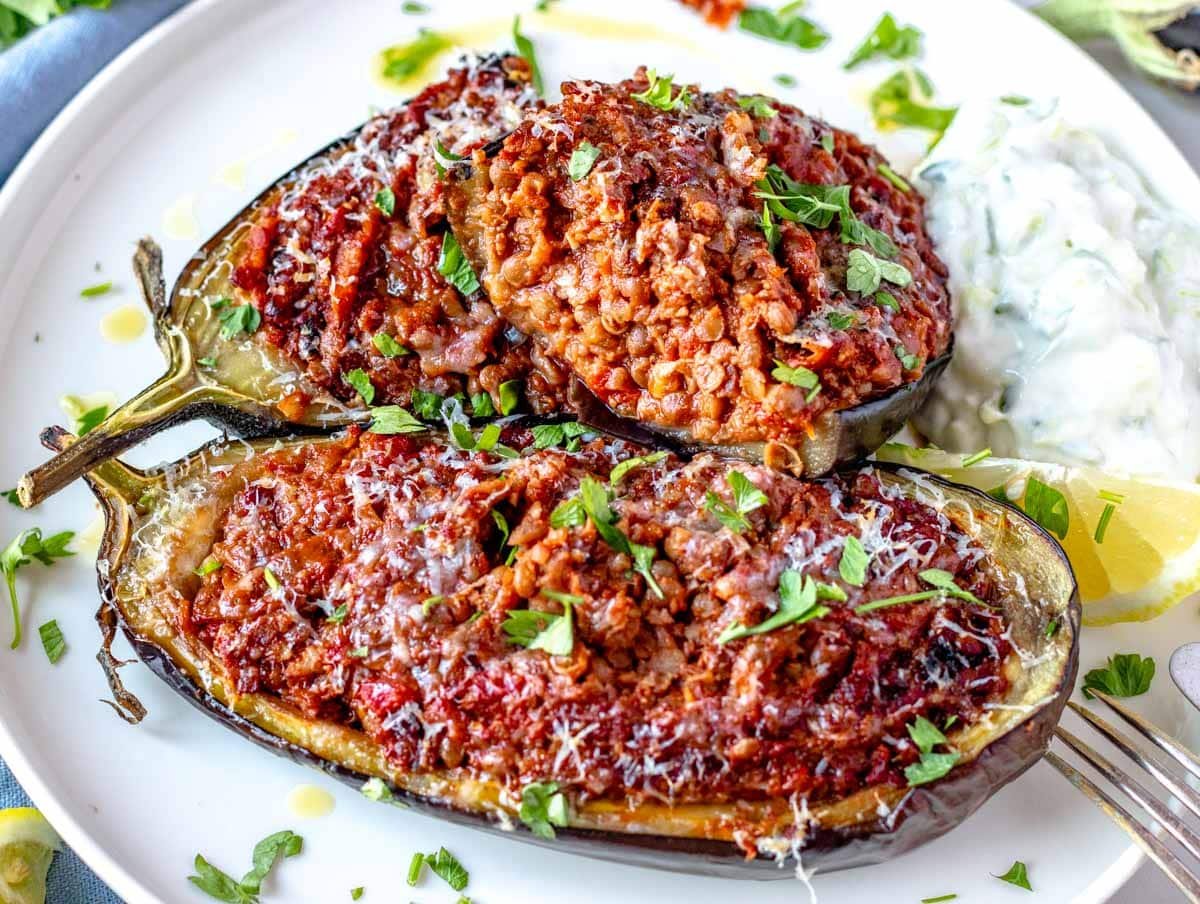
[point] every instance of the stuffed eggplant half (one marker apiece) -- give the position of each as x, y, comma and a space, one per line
704, 666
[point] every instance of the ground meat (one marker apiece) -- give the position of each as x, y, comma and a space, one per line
651, 276
330, 270
370, 580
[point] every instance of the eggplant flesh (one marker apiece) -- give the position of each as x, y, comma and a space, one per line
160, 525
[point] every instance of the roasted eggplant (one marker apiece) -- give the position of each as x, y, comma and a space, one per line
721, 268
452, 624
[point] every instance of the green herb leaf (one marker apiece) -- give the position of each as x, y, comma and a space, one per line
548, 436
510, 396
269, 577
207, 361
939, 899
894, 177
624, 467
481, 405
13, 498
759, 105
797, 604
362, 383
356, 893
403, 61
426, 405
207, 567
865, 271
853, 564
90, 420
25, 547
53, 641
788, 81
746, 498
925, 734
930, 767
828, 142
236, 319
1124, 675
446, 865
658, 93
888, 39
543, 807
453, 265
385, 200
388, 347
784, 27
569, 514
266, 853
839, 320
219, 885
1051, 627
376, 789
527, 51
338, 615
795, 376
596, 500
944, 581
409, 8
974, 459
1047, 506
907, 359
96, 291
1017, 875
415, 867
887, 301
358, 653
902, 100
583, 158
392, 419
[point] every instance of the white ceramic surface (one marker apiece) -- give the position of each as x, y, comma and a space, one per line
219, 82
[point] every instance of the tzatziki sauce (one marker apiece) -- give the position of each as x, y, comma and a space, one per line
1077, 298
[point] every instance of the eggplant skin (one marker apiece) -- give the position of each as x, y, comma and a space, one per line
694, 845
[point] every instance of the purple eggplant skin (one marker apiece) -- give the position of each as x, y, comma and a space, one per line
610, 830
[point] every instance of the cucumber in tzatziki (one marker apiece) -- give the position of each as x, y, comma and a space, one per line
1077, 297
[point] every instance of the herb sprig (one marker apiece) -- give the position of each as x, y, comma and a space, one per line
27, 546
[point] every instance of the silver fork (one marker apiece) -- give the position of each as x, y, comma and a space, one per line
1168, 770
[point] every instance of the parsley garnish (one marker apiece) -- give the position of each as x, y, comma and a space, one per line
902, 101
376, 789
976, 458
403, 61
853, 564
409, 8
887, 39
415, 866
429, 602
385, 200
90, 420
388, 347
1051, 627
817, 205
566, 434
53, 641
221, 886
865, 271
29, 543
510, 396
658, 93
358, 653
795, 376
426, 405
1018, 875
828, 142
1047, 506
481, 405
392, 419
797, 604
759, 105
527, 51
269, 577
784, 26
236, 318
446, 866
13, 498
207, 362
582, 159
746, 498
543, 807
96, 290
894, 177
940, 899
624, 467
443, 158
887, 301
840, 320
569, 514
931, 765
944, 583
596, 499
362, 384
1124, 675
544, 630
907, 359
356, 893
207, 567
788, 81
453, 265
338, 615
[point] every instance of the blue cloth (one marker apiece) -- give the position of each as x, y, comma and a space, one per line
38, 76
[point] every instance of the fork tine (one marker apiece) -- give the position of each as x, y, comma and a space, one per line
1135, 790
1161, 739
1186, 795
1153, 847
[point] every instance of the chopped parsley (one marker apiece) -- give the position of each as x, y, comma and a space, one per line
415, 866
624, 467
975, 458
402, 61
429, 602
795, 376
409, 8
907, 359
569, 514
1051, 627
828, 142
759, 105
385, 200
362, 384
866, 271
746, 498
510, 396
788, 81
854, 561
942, 581
426, 405
658, 93
53, 641
1018, 875
925, 735
223, 887
453, 265
939, 899
567, 435
797, 604
269, 577
13, 498
887, 301
1047, 506
356, 893
887, 39
582, 159
444, 158
784, 26
534, 630
207, 362
338, 615
90, 420
388, 347
1124, 675
25, 547
446, 866
903, 99
596, 503
528, 53
96, 291
481, 405
376, 789
358, 653
236, 319
392, 419
840, 320
894, 177
543, 807
817, 205
207, 567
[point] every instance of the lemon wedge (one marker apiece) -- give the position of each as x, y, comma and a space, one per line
1147, 557
27, 845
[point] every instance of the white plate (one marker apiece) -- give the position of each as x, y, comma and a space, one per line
224, 78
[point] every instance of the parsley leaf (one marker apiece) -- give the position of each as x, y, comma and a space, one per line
236, 319
894, 177
385, 200
887, 301
569, 514
658, 93
218, 884
925, 735
902, 100
544, 630
207, 567
444, 158
1018, 875
853, 564
527, 51
392, 419
840, 320
481, 405
362, 383
944, 581
453, 265
1047, 506
596, 500
402, 61
759, 105
25, 547
543, 807
90, 420
510, 396
376, 789
624, 467
865, 271
388, 347
1124, 675
446, 865
888, 39
415, 866
221, 886
786, 80
53, 641
746, 498
784, 26
817, 205
357, 892
426, 405
583, 158
338, 615
797, 604
907, 359
96, 290
566, 434
795, 376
